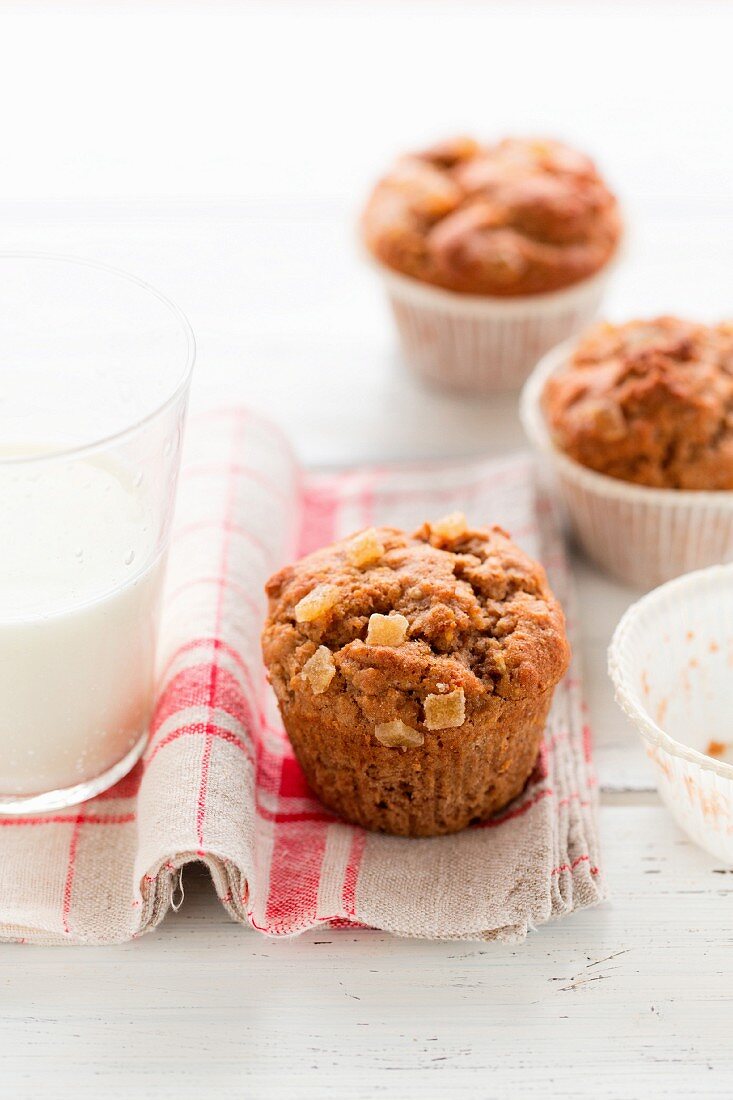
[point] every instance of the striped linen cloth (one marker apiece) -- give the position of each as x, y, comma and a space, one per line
219, 783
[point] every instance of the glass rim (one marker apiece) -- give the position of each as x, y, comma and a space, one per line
76, 450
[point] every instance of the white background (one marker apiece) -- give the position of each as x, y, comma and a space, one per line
221, 150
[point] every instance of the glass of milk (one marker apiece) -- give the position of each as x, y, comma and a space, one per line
95, 369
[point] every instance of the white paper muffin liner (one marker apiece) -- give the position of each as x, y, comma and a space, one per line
478, 345
670, 662
641, 535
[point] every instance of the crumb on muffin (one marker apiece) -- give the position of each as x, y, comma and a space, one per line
514, 218
648, 402
437, 659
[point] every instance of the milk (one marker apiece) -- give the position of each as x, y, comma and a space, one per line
79, 596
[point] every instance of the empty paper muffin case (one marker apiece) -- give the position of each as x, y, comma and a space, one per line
670, 662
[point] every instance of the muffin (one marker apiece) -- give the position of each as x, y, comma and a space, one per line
649, 402
515, 218
414, 673
491, 254
636, 422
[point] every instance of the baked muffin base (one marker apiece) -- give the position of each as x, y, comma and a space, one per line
456, 778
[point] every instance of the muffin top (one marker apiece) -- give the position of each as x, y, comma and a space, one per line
649, 402
423, 630
518, 217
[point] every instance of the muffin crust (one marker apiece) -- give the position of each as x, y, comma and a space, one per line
649, 402
519, 217
440, 725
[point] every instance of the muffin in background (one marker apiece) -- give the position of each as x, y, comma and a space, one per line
649, 402
491, 255
414, 673
516, 218
636, 421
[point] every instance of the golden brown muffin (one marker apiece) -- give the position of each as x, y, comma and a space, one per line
415, 672
649, 402
520, 217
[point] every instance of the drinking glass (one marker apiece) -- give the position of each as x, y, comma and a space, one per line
95, 368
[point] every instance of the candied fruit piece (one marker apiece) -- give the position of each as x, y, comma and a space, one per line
443, 712
319, 670
450, 527
396, 735
365, 548
316, 603
387, 629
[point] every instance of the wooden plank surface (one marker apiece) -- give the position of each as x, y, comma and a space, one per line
631, 999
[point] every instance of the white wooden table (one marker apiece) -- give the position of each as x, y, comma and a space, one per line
220, 150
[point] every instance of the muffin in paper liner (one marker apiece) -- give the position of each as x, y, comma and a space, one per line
480, 345
643, 536
670, 662
491, 253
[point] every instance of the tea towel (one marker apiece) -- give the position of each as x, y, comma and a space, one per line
218, 781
